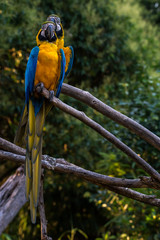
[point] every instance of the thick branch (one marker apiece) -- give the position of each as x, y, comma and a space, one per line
60, 165
96, 178
106, 110
11, 147
12, 195
149, 199
102, 131
12, 198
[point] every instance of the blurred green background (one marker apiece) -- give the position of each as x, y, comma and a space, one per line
117, 59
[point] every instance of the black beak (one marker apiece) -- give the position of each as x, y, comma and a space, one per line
49, 33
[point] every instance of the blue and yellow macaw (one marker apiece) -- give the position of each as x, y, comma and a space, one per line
46, 67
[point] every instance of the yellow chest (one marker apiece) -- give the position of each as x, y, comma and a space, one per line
47, 70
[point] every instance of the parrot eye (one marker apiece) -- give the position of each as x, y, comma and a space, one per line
51, 19
58, 20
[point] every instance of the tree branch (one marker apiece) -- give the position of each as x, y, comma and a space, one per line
148, 199
111, 113
102, 131
117, 185
11, 147
60, 165
42, 213
12, 198
12, 192
12, 195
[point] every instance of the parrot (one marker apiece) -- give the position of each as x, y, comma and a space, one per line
46, 67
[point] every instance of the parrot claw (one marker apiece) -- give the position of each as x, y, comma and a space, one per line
51, 95
39, 87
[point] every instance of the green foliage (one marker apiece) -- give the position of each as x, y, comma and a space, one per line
5, 236
153, 10
71, 234
117, 59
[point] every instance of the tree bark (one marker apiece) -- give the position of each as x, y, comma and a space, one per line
12, 198
41, 208
111, 113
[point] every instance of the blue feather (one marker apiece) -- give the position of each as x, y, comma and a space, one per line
37, 103
29, 80
71, 61
62, 74
30, 72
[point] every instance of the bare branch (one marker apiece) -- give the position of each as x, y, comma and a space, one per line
111, 113
102, 131
12, 195
14, 186
117, 185
11, 147
12, 198
105, 180
60, 165
149, 199
42, 214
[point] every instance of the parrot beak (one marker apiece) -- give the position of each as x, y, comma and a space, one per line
50, 33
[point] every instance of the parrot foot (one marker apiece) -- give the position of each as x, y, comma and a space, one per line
39, 87
51, 95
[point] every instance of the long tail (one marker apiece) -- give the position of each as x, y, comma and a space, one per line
37, 153
33, 157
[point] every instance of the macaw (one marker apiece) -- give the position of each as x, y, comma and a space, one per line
45, 68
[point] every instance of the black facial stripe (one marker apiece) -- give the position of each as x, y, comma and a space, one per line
59, 33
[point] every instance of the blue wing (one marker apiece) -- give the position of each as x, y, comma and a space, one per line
29, 80
71, 61
30, 73
29, 84
62, 73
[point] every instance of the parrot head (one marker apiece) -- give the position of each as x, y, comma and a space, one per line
57, 21
47, 33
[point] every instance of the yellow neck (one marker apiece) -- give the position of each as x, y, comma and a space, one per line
61, 43
37, 40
